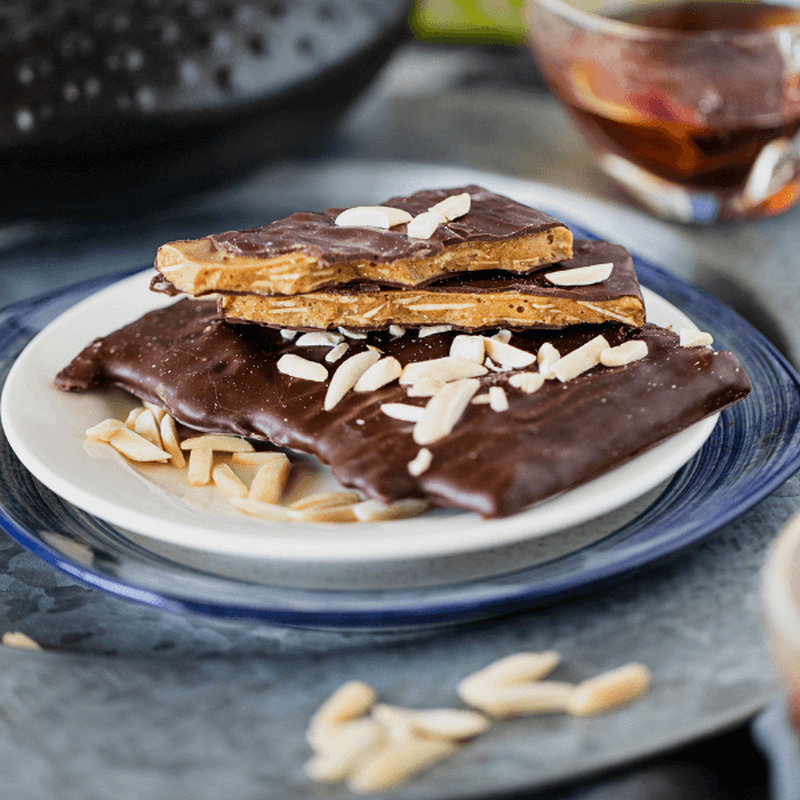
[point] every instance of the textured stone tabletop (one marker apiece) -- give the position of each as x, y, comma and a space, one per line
128, 701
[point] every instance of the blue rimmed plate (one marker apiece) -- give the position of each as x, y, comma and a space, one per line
751, 451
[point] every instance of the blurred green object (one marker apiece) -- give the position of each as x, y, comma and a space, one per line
474, 21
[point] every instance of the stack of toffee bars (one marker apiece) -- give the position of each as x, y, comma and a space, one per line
454, 346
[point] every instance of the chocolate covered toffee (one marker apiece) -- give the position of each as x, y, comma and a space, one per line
451, 347
491, 439
308, 251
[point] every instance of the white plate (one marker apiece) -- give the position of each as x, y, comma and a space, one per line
45, 427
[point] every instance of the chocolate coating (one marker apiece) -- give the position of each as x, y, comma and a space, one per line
491, 217
213, 376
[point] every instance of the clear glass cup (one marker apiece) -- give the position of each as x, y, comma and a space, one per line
781, 600
693, 109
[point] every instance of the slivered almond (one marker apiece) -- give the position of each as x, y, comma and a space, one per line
444, 410
580, 360
335, 353
227, 480
136, 447
424, 225
104, 430
692, 338
507, 355
520, 699
201, 460
351, 334
347, 375
269, 482
343, 513
169, 441
452, 207
217, 442
481, 399
502, 336
374, 510
441, 370
379, 374
546, 356
289, 334
498, 401
402, 411
155, 410
516, 668
609, 689
350, 700
432, 330
325, 500
147, 427
528, 382
420, 463
133, 414
400, 759
471, 348
351, 743
581, 276
397, 331
372, 217
319, 339
257, 457
298, 367
424, 388
625, 353
255, 508
19, 640
454, 724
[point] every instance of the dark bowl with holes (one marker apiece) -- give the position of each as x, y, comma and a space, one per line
112, 106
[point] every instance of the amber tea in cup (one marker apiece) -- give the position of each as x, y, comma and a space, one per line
693, 108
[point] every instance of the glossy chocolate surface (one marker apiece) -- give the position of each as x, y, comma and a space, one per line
491, 217
213, 376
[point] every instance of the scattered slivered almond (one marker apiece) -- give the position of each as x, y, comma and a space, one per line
399, 760
130, 421
580, 360
421, 462
155, 410
379, 374
228, 481
424, 225
442, 370
469, 347
693, 338
375, 510
432, 330
623, 354
201, 462
255, 508
402, 411
502, 336
270, 480
325, 500
481, 399
136, 447
104, 430
397, 331
169, 441
350, 334
257, 458
335, 353
219, 443
609, 689
19, 640
372, 217
581, 276
507, 355
147, 427
498, 400
299, 367
444, 410
453, 207
319, 339
372, 746
347, 375
546, 356
528, 382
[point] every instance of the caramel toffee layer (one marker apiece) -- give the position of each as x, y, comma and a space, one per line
307, 251
468, 301
217, 377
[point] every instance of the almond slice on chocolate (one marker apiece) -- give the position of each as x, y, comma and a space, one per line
581, 276
444, 410
372, 217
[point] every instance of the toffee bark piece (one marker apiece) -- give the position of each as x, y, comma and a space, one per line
217, 377
307, 251
472, 301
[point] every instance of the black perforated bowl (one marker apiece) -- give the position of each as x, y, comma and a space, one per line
115, 104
